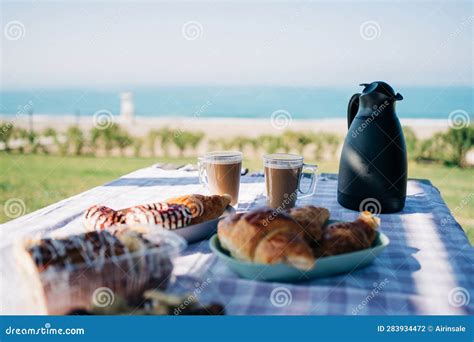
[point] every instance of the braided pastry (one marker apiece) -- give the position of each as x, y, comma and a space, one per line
203, 208
172, 214
99, 217
162, 214
169, 216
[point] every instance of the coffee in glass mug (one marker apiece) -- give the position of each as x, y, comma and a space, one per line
220, 171
283, 175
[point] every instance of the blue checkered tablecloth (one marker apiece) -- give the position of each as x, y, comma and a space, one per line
426, 270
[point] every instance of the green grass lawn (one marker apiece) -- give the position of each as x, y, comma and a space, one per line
40, 180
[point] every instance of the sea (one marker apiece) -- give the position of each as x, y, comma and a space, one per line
230, 102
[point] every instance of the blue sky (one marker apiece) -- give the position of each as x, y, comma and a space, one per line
68, 44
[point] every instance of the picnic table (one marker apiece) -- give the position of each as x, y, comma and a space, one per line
426, 270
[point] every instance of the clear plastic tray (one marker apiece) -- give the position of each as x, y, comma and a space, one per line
106, 280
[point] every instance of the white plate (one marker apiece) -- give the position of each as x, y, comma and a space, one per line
201, 231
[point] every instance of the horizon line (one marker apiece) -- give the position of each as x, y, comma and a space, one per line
126, 87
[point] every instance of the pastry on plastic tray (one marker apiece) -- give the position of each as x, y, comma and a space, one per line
76, 270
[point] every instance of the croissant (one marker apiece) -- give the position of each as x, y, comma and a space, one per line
311, 219
265, 236
345, 237
203, 208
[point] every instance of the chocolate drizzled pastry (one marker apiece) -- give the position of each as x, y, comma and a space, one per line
174, 213
99, 217
85, 249
67, 273
169, 216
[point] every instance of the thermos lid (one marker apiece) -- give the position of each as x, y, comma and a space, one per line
382, 88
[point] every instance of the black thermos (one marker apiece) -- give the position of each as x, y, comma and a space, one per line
373, 165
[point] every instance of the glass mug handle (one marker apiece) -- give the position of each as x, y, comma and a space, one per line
202, 172
314, 179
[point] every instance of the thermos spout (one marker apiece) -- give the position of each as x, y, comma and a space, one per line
398, 97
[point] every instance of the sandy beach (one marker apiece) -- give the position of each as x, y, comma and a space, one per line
216, 127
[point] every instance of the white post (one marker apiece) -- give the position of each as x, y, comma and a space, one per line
127, 109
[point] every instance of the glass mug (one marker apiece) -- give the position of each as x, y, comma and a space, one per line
219, 171
283, 175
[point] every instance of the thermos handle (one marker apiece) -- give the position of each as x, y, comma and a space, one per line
352, 109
